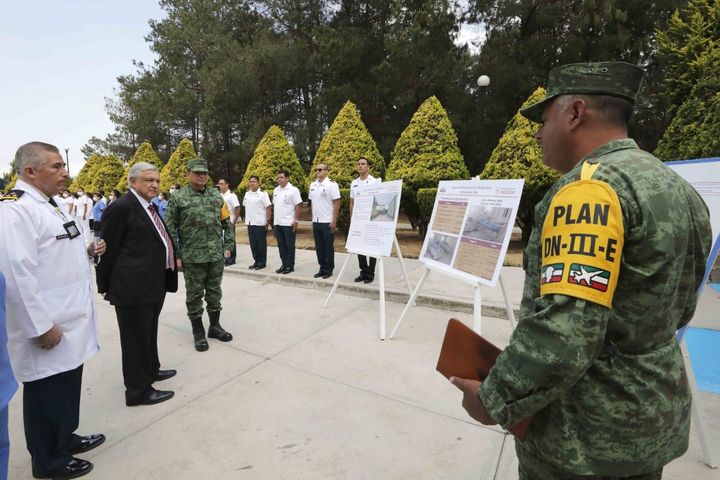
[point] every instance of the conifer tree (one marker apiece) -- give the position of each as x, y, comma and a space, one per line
346, 140
518, 155
689, 52
426, 152
105, 174
273, 153
85, 175
175, 170
144, 153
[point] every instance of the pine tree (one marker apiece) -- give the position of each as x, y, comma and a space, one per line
144, 153
426, 152
175, 170
273, 153
518, 155
346, 140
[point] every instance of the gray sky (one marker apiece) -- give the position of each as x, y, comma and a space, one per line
60, 60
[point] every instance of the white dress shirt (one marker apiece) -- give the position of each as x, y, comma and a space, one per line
321, 196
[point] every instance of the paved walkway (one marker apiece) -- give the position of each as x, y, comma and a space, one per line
305, 392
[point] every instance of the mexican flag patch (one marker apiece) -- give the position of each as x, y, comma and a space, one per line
588, 276
552, 273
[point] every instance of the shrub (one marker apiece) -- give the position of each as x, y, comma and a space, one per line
343, 220
273, 153
425, 200
518, 155
84, 177
346, 140
175, 170
426, 152
144, 153
105, 175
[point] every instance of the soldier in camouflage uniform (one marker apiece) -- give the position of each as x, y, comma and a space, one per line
200, 223
612, 269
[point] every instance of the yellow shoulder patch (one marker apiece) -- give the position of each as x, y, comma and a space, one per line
224, 212
582, 242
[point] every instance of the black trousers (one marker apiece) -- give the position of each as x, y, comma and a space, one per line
286, 244
138, 341
51, 413
368, 270
258, 244
324, 247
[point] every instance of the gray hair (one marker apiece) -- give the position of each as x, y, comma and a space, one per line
135, 170
32, 155
609, 109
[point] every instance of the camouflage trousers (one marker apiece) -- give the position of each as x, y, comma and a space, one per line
534, 468
203, 279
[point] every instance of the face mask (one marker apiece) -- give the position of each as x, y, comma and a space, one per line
79, 193
65, 195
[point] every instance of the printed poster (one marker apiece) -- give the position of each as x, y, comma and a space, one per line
374, 218
470, 228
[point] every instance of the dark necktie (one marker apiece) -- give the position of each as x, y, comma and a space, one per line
161, 228
52, 202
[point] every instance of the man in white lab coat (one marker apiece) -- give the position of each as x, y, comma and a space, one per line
51, 321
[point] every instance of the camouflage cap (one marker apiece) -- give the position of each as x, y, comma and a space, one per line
618, 79
198, 165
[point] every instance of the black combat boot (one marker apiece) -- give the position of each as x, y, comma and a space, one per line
201, 343
215, 330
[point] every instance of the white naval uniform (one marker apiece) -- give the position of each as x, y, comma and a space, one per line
48, 283
357, 182
321, 197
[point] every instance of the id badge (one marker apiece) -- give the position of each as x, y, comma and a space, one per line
71, 229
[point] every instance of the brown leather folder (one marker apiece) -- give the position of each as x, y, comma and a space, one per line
465, 354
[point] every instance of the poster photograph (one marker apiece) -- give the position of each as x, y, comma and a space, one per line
470, 227
374, 218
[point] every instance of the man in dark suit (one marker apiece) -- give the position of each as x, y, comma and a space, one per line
135, 272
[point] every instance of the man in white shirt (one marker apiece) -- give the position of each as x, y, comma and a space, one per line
257, 218
51, 323
233, 206
367, 270
286, 212
325, 201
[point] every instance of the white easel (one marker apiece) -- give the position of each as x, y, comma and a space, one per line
477, 305
381, 280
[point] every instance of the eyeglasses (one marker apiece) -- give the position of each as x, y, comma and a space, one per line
320, 169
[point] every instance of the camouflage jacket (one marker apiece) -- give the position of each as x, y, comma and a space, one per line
606, 383
200, 225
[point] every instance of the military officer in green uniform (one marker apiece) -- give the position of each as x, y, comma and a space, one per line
200, 222
612, 268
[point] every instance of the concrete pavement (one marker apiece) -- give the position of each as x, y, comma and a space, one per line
305, 392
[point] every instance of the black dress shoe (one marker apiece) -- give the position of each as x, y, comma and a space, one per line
288, 270
360, 278
257, 267
88, 442
369, 279
75, 468
280, 270
252, 267
318, 275
164, 375
151, 397
327, 275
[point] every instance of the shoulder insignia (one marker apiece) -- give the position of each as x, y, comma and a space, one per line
582, 242
12, 195
224, 212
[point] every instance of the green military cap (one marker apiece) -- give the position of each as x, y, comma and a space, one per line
198, 165
618, 79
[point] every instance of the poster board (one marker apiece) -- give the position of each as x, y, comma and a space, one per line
470, 228
374, 219
704, 176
